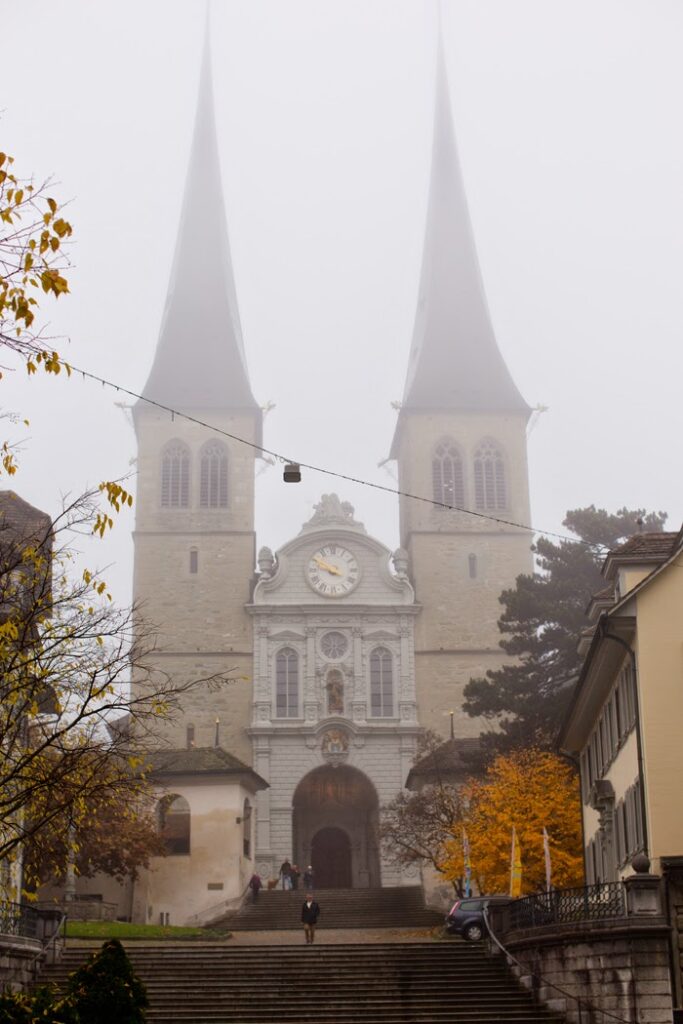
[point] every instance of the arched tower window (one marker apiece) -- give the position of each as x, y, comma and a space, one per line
335, 692
448, 478
175, 475
174, 823
381, 683
287, 683
490, 488
213, 475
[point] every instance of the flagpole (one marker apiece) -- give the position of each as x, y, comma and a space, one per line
512, 861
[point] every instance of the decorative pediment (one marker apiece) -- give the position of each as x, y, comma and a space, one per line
380, 634
287, 634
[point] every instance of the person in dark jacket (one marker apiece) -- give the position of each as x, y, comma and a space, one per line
255, 885
310, 912
285, 874
308, 879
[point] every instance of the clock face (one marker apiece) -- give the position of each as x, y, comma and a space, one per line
333, 571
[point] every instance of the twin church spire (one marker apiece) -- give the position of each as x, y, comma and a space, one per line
454, 362
200, 361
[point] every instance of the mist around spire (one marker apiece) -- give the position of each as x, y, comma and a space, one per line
454, 362
200, 361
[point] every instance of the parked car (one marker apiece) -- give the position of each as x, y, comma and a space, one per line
466, 916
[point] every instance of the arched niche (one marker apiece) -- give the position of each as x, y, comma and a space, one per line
335, 827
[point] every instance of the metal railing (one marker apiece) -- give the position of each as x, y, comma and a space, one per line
585, 1011
566, 906
18, 919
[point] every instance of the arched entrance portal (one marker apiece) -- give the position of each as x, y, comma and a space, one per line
331, 858
336, 814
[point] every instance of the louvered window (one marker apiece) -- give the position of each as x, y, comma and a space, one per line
175, 475
213, 481
448, 478
490, 487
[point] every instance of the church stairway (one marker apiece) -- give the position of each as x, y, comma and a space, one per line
397, 907
403, 983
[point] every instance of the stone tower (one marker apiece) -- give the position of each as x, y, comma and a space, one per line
194, 533
460, 440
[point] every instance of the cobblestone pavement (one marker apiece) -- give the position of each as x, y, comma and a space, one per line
331, 936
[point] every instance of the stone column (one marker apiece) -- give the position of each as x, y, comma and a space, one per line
360, 699
311, 695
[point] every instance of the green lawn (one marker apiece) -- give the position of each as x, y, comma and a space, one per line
121, 930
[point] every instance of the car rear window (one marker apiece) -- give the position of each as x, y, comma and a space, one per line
471, 905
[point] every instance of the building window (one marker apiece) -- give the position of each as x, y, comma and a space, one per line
628, 823
334, 644
175, 475
472, 563
213, 475
194, 561
381, 683
448, 478
246, 828
189, 736
490, 489
335, 692
287, 683
174, 824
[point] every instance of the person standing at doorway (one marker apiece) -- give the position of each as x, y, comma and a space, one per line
308, 879
286, 874
310, 912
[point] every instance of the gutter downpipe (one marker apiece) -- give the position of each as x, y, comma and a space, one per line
639, 738
575, 762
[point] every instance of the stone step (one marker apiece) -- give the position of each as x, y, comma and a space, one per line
350, 983
400, 906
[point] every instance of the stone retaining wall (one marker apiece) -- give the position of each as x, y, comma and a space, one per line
18, 958
621, 969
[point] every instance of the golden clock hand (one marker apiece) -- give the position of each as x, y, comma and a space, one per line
327, 567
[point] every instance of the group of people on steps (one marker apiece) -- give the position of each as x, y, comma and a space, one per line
290, 874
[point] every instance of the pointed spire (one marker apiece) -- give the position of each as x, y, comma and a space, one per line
200, 361
454, 363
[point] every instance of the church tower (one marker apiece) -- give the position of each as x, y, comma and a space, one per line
460, 440
194, 534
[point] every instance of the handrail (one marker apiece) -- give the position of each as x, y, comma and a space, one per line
551, 984
45, 945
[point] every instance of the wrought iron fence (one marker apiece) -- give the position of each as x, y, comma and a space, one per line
18, 919
562, 906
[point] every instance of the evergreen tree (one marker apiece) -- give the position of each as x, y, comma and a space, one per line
106, 989
541, 624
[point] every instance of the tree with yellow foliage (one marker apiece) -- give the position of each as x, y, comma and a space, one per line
74, 734
530, 790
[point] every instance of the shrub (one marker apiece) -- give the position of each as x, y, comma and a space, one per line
106, 990
45, 1006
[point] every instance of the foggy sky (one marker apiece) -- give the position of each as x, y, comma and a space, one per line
567, 116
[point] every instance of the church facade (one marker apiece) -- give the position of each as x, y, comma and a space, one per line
340, 649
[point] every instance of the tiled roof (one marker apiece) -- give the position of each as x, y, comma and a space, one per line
24, 521
453, 757
195, 761
649, 546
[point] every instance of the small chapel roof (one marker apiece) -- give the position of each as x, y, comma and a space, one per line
200, 361
451, 762
22, 521
201, 761
455, 363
